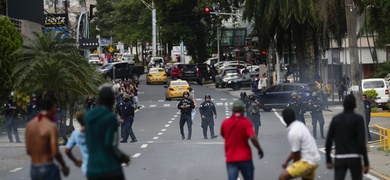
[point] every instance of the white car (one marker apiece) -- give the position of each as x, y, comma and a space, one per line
129, 58
94, 59
380, 86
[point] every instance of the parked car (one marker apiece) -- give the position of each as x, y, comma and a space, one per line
226, 75
128, 58
198, 72
121, 70
176, 71
94, 59
380, 86
278, 96
243, 81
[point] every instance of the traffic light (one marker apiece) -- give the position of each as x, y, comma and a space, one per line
263, 57
207, 10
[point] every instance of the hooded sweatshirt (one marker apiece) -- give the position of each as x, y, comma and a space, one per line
102, 142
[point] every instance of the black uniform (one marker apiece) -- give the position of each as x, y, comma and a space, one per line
11, 111
128, 117
90, 104
303, 110
316, 107
32, 110
186, 116
367, 114
252, 106
296, 105
207, 109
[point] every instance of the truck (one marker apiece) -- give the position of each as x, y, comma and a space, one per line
121, 70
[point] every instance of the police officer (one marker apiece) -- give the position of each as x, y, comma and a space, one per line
252, 107
186, 105
61, 125
207, 111
316, 107
303, 108
243, 97
11, 111
90, 103
367, 114
32, 108
128, 119
296, 105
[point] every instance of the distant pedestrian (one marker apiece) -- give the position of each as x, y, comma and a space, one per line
324, 95
367, 114
253, 107
347, 131
78, 138
135, 90
186, 105
32, 107
11, 111
263, 83
101, 128
237, 130
128, 119
304, 150
316, 107
208, 113
42, 143
253, 84
192, 97
341, 90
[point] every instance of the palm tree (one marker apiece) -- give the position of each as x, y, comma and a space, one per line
52, 65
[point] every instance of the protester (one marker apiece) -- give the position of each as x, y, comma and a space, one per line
347, 131
42, 142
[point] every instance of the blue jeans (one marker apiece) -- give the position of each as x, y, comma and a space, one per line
246, 168
48, 171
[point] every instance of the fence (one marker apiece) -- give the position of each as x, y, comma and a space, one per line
384, 134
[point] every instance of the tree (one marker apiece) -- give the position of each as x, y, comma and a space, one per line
52, 65
10, 41
382, 71
378, 13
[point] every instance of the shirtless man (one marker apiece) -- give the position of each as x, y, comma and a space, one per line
42, 143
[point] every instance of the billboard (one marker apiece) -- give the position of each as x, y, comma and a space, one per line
56, 20
31, 10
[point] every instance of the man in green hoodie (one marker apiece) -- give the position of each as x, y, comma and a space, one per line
102, 138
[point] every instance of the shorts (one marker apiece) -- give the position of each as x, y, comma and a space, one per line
45, 171
302, 169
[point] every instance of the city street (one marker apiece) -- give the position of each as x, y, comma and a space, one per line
161, 154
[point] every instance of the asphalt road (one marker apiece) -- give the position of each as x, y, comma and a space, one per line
160, 154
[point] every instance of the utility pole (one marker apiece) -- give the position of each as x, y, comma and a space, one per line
154, 26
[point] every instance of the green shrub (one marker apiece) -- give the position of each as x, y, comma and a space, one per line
374, 109
388, 105
372, 94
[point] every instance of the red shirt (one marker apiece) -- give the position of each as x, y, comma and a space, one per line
236, 130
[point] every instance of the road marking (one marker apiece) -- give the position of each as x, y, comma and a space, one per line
231, 103
173, 119
166, 125
371, 177
163, 130
153, 105
155, 137
280, 117
219, 104
226, 110
175, 116
160, 101
209, 142
227, 114
144, 145
136, 155
166, 105
198, 99
226, 104
235, 99
169, 122
223, 99
178, 113
16, 169
160, 133
150, 142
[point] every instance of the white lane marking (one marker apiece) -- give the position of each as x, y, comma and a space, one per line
178, 113
235, 99
226, 104
212, 99
231, 103
155, 137
166, 125
144, 145
169, 122
150, 142
280, 117
173, 119
16, 169
159, 134
227, 114
199, 99
160, 100
163, 130
167, 105
223, 99
175, 116
136, 155
153, 105
219, 104
226, 110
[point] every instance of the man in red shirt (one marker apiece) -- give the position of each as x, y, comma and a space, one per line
237, 130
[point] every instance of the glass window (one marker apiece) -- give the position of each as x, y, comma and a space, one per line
275, 88
121, 65
179, 83
288, 88
298, 87
373, 84
156, 70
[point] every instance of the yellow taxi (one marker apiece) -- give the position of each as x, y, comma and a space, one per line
175, 89
156, 75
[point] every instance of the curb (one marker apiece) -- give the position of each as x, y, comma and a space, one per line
378, 174
380, 114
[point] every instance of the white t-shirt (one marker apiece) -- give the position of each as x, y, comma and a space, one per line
263, 82
300, 139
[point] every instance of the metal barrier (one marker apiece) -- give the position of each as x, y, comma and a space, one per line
384, 134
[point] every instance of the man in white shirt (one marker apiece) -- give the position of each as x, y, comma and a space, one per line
304, 151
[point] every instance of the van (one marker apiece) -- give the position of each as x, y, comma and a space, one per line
380, 86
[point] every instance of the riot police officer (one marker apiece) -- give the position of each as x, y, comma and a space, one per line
243, 97
128, 119
303, 108
32, 108
90, 103
296, 105
207, 111
186, 105
11, 111
252, 107
316, 107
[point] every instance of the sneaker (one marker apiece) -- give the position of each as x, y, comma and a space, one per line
11, 141
183, 137
123, 141
214, 137
189, 138
206, 137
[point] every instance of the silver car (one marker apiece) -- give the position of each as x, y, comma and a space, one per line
225, 76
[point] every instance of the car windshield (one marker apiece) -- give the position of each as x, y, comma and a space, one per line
94, 56
373, 84
157, 70
179, 83
127, 55
230, 71
107, 66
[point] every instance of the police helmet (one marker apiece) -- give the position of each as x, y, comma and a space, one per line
243, 94
294, 94
186, 92
314, 94
33, 96
300, 94
207, 96
238, 106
